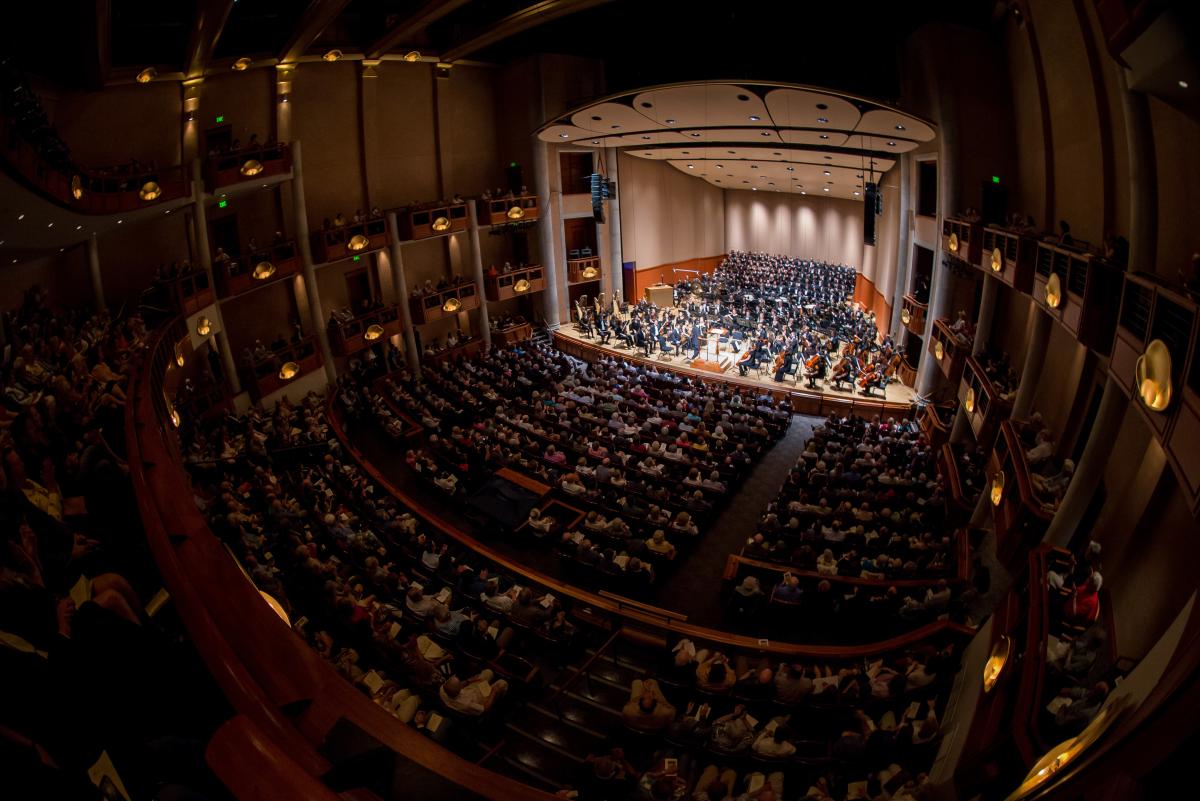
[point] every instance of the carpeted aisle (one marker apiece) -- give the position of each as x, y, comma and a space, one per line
694, 586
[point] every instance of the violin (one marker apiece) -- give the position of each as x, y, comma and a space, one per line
812, 362
779, 361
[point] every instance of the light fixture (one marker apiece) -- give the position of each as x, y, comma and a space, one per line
451, 305
695, 133
590, 272
176, 420
827, 172
1153, 376
691, 166
76, 187
824, 136
825, 188
563, 135
595, 141
791, 169
276, 607
994, 667
670, 122
20, 216
822, 120
332, 55
412, 56
203, 326
1183, 84
997, 488
997, 260
373, 332
905, 316
891, 144
441, 224
856, 193
1053, 291
969, 400
953, 241
899, 127
1054, 761
242, 64
251, 168
755, 118
522, 285
515, 213
939, 350
147, 75
357, 242
263, 270
288, 371
150, 191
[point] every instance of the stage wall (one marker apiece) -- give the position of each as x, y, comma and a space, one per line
667, 217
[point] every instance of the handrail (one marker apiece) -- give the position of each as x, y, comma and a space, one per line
733, 560
586, 666
1016, 455
621, 600
253, 767
597, 602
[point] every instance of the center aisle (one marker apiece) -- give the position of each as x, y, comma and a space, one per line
694, 587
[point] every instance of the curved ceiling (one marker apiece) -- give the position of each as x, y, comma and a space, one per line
748, 135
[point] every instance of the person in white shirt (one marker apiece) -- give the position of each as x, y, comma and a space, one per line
474, 696
774, 741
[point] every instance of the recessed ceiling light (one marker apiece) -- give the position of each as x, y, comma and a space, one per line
791, 169
743, 98
859, 175
691, 166
766, 133
49, 225
754, 189
718, 166
731, 152
770, 183
803, 192
825, 188
822, 120
891, 144
14, 261
745, 182
647, 104
856, 193
562, 136
645, 136
899, 127
822, 106
60, 250
827, 172
597, 119
717, 180
829, 158
615, 127
695, 133
824, 136
670, 121
755, 118
20, 216
78, 227
1183, 84
595, 141
120, 221
168, 211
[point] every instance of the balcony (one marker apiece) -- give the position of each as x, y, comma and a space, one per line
961, 239
1021, 519
443, 303
257, 268
1009, 256
349, 337
247, 164
912, 314
514, 284
1080, 291
431, 219
280, 368
983, 402
948, 350
355, 239
935, 422
581, 270
960, 498
501, 211
190, 292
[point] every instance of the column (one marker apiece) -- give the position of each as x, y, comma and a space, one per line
94, 267
895, 327
300, 223
1090, 469
1143, 179
200, 218
400, 284
541, 179
485, 328
616, 280
1035, 357
987, 312
939, 292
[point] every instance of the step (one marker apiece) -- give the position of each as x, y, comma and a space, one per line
587, 712
599, 693
550, 738
576, 737
513, 768
545, 762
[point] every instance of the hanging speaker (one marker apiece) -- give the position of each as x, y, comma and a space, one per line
870, 206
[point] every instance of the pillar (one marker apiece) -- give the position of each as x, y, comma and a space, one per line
987, 312
897, 329
411, 355
300, 223
200, 219
1143, 180
541, 179
1090, 470
616, 281
1035, 357
485, 327
939, 294
94, 268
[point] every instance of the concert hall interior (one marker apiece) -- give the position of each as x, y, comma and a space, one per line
512, 400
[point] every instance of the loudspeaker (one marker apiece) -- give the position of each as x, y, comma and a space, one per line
599, 189
871, 203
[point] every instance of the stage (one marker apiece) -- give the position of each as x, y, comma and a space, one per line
897, 400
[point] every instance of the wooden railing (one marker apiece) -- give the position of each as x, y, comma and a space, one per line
351, 337
265, 375
961, 505
352, 239
514, 284
431, 219
947, 350
1009, 256
248, 164
583, 269
499, 211
961, 239
444, 303
190, 292
236, 275
1020, 518
1080, 290
982, 403
933, 426
912, 314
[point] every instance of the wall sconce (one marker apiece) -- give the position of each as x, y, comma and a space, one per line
284, 97
1053, 291
441, 224
997, 260
179, 358
76, 187
1152, 375
373, 332
953, 242
994, 667
451, 305
590, 272
263, 270
358, 242
905, 316
289, 370
939, 350
333, 55
276, 607
997, 488
522, 285
412, 56
515, 213
251, 167
150, 191
147, 75
203, 326
176, 420
242, 64
1060, 756
969, 400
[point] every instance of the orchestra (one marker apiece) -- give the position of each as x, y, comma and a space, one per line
784, 316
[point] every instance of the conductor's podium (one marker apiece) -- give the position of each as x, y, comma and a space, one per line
662, 295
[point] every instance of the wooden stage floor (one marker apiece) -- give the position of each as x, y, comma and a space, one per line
825, 399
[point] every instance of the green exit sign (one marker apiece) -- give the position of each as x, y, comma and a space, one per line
357, 258
995, 179
222, 204
220, 118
